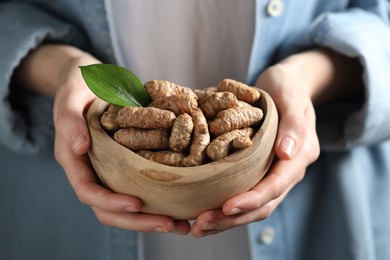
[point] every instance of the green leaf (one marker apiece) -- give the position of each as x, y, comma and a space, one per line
115, 84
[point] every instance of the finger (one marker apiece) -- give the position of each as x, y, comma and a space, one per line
85, 184
282, 176
292, 103
291, 133
135, 221
182, 227
213, 222
207, 223
280, 179
69, 119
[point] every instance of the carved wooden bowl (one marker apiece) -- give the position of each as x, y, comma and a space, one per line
181, 192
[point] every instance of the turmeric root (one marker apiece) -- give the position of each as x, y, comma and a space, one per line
164, 157
220, 146
235, 118
213, 103
240, 90
200, 140
181, 133
178, 104
241, 103
202, 93
163, 88
145, 117
108, 119
142, 139
175, 122
242, 142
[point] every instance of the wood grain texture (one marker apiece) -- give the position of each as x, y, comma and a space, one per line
182, 192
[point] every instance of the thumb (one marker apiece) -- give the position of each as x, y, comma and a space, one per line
70, 123
79, 139
292, 128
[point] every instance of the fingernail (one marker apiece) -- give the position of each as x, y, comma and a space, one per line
235, 211
180, 232
77, 140
288, 146
210, 226
161, 230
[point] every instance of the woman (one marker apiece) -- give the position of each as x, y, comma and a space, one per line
324, 64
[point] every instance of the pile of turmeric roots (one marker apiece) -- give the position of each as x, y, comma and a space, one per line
185, 127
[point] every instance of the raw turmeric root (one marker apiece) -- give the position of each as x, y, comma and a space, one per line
142, 139
202, 93
145, 117
173, 130
164, 157
240, 90
178, 104
241, 103
242, 142
221, 146
213, 103
163, 88
181, 133
235, 118
108, 119
200, 140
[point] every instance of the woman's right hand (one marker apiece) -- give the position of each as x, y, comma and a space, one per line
54, 70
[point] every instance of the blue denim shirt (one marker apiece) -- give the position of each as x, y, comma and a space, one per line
341, 208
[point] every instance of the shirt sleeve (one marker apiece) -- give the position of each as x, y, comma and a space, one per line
27, 118
362, 34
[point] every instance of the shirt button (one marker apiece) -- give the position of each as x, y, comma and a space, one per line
275, 7
267, 235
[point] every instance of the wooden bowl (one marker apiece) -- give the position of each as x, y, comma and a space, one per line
181, 192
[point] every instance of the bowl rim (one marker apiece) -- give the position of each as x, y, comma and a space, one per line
184, 174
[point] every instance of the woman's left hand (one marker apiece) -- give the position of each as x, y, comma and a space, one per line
296, 147
295, 84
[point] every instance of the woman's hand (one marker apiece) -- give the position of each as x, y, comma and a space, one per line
296, 146
54, 70
293, 84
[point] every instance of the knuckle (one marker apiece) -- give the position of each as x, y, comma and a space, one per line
315, 154
278, 186
265, 212
102, 218
58, 115
300, 176
297, 123
62, 118
312, 150
82, 199
58, 155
